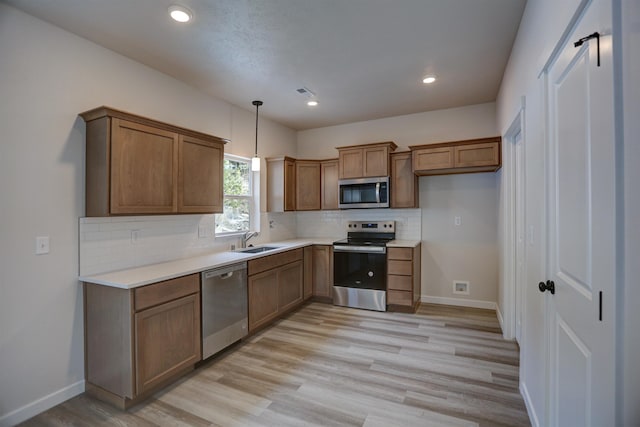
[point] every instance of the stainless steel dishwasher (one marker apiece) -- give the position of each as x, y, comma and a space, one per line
224, 307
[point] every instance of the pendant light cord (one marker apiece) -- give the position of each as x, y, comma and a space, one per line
257, 104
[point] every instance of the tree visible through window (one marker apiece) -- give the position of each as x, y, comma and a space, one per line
238, 197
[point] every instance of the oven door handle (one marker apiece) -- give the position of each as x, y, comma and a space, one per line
377, 192
361, 249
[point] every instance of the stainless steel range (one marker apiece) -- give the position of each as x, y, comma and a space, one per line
360, 265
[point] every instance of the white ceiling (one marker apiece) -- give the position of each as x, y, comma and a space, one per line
364, 59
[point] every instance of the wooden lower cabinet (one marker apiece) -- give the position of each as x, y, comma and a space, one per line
263, 298
166, 341
275, 286
137, 340
307, 288
322, 271
403, 278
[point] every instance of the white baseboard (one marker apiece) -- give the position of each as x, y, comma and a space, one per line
533, 418
34, 408
500, 318
462, 302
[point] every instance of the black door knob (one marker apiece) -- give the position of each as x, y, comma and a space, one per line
549, 286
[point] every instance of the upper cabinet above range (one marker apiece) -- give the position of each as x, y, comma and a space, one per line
474, 155
361, 161
139, 166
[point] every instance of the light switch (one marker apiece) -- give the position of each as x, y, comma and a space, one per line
134, 236
203, 231
42, 245
457, 220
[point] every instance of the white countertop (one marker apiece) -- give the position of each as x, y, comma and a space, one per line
140, 276
403, 243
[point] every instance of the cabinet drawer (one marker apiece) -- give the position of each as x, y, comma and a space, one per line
400, 253
158, 293
400, 298
400, 283
273, 261
403, 268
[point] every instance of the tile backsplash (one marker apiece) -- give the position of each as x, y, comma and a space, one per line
333, 223
116, 243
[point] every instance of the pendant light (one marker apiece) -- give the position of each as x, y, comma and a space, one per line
255, 160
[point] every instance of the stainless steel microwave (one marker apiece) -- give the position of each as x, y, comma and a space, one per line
364, 193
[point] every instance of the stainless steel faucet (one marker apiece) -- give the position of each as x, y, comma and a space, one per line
246, 236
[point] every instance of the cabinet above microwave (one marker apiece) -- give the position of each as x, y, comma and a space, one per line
364, 161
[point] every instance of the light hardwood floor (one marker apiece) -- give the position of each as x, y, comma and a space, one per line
334, 366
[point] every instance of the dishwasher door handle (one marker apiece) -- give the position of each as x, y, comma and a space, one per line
226, 275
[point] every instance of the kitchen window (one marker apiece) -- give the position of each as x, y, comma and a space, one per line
239, 204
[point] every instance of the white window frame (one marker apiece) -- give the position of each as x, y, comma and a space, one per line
250, 198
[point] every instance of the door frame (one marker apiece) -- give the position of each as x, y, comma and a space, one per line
512, 174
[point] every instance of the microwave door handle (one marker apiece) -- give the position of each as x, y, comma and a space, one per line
377, 192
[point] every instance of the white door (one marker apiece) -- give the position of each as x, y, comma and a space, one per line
581, 243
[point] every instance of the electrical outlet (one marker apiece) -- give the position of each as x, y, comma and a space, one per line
457, 220
42, 245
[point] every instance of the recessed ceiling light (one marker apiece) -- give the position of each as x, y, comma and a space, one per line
312, 103
180, 13
429, 79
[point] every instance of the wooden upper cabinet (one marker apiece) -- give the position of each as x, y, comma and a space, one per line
329, 184
281, 184
351, 162
200, 177
363, 161
404, 183
143, 169
474, 155
308, 185
433, 158
139, 166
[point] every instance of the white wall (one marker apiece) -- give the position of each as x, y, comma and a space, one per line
474, 121
468, 252
47, 77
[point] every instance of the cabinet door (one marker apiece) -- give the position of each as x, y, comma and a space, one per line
404, 184
167, 340
290, 282
308, 272
375, 161
322, 271
351, 163
477, 155
329, 184
199, 175
307, 185
289, 185
144, 176
432, 158
263, 298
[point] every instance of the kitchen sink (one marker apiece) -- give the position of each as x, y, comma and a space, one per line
258, 249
